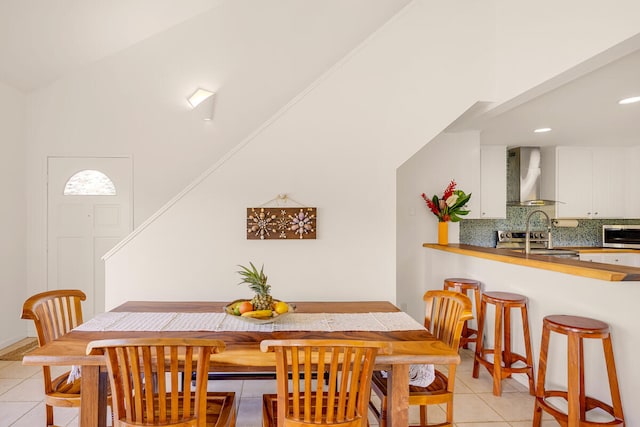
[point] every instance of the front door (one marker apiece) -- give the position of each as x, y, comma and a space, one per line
89, 211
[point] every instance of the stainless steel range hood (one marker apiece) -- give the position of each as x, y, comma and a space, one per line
523, 177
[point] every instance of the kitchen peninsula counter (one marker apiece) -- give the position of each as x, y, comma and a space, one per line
552, 285
593, 270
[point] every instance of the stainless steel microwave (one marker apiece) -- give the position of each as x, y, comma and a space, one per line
621, 236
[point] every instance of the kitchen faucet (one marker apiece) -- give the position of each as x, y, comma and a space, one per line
527, 238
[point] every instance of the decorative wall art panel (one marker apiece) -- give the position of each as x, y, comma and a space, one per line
278, 223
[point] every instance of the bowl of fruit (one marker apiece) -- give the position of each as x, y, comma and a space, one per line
262, 308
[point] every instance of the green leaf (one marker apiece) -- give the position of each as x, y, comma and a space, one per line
462, 200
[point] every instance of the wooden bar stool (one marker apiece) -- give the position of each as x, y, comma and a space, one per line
464, 286
503, 358
576, 329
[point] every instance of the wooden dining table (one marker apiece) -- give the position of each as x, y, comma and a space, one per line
242, 353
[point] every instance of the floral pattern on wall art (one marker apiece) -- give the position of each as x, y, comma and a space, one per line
281, 223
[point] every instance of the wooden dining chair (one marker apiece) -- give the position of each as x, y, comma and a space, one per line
54, 313
151, 382
445, 316
340, 401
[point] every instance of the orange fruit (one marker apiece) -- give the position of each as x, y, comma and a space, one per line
245, 306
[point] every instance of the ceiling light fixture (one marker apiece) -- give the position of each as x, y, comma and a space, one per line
199, 96
542, 130
203, 100
631, 100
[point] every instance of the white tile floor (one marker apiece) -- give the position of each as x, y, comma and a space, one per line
21, 403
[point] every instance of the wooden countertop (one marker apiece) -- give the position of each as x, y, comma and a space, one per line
594, 270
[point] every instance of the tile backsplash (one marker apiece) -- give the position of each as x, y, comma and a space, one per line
482, 232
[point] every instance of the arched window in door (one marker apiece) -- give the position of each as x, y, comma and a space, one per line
89, 183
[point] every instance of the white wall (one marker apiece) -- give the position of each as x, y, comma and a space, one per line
257, 56
12, 216
336, 148
448, 156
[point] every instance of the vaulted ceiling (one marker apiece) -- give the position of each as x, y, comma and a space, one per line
41, 40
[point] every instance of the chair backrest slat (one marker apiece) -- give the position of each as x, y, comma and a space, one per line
445, 314
54, 313
138, 368
175, 397
343, 399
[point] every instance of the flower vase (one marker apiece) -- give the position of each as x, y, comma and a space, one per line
443, 233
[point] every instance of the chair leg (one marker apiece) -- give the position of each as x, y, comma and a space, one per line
480, 342
583, 393
266, 422
528, 350
613, 378
232, 418
477, 297
465, 334
506, 342
542, 372
450, 412
574, 362
49, 412
379, 412
383, 412
497, 351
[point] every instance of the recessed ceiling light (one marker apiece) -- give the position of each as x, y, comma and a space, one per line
629, 100
542, 130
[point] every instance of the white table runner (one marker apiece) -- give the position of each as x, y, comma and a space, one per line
420, 375
222, 322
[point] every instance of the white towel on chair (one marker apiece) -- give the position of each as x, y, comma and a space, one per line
419, 375
74, 374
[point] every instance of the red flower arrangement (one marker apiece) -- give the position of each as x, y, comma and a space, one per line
451, 206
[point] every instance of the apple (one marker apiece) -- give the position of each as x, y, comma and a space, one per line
245, 306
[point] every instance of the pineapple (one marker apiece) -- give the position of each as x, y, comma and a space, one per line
257, 283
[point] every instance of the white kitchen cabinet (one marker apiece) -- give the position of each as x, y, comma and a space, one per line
624, 258
493, 181
590, 182
591, 257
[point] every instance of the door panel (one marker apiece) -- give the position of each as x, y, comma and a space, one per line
72, 264
106, 219
82, 228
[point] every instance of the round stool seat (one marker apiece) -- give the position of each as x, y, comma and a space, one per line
462, 283
564, 324
504, 298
